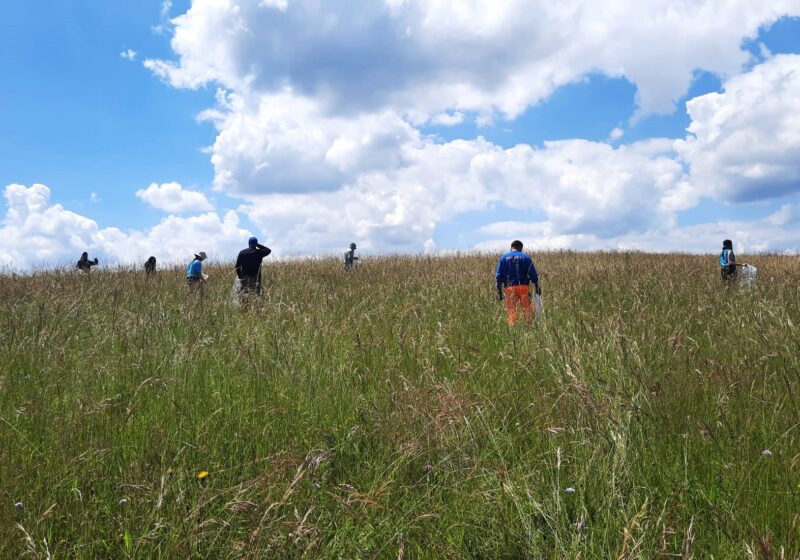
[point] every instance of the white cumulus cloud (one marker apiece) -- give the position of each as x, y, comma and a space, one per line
128, 54
744, 143
425, 57
36, 232
172, 197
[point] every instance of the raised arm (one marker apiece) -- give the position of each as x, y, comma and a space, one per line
264, 249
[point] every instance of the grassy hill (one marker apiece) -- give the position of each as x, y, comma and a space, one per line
392, 413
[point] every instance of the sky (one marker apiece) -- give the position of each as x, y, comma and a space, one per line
164, 127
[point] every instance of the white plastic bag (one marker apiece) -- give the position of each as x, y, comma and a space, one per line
538, 306
748, 277
236, 291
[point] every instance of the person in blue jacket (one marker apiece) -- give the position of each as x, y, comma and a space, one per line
515, 273
194, 273
727, 262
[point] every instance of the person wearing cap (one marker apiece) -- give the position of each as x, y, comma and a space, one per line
150, 266
248, 266
515, 273
84, 264
194, 272
350, 257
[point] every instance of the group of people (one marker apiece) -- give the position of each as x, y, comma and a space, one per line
515, 274
248, 265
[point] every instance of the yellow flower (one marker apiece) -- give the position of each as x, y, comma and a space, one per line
202, 475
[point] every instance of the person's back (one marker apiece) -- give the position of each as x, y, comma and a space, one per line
515, 272
150, 266
515, 268
248, 265
195, 270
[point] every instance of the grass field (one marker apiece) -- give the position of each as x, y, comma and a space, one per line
392, 413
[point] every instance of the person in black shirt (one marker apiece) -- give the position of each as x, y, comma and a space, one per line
150, 266
248, 266
84, 264
350, 258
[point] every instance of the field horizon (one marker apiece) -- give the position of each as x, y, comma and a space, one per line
391, 412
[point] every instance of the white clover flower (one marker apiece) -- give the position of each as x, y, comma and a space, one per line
569, 490
767, 453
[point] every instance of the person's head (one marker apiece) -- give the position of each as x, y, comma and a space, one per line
727, 244
152, 260
201, 256
353, 246
252, 242
516, 245
84, 255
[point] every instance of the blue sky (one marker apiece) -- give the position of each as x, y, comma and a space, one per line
95, 127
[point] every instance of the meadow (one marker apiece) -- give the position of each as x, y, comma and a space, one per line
391, 412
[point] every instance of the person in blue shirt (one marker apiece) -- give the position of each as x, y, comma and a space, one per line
194, 273
515, 273
727, 262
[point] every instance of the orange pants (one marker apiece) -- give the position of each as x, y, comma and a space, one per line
516, 296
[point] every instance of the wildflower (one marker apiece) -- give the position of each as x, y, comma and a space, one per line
202, 475
317, 485
427, 468
170, 470
767, 453
123, 501
569, 490
18, 505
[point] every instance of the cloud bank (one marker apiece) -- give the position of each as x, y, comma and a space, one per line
321, 110
35, 232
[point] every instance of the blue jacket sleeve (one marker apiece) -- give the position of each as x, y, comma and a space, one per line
533, 275
501, 272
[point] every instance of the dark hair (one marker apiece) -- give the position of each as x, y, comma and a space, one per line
727, 244
516, 244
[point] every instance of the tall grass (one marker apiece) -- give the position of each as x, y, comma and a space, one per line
391, 413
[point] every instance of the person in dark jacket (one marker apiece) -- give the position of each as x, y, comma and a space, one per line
84, 264
350, 258
150, 266
515, 272
248, 266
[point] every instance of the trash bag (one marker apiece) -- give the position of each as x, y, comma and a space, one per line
538, 306
748, 276
236, 293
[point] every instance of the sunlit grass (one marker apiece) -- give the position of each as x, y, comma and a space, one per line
391, 412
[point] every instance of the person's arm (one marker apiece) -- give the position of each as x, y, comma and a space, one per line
265, 250
239, 269
732, 260
534, 278
94, 263
500, 276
